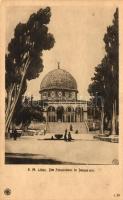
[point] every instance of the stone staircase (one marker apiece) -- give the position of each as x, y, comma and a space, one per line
59, 127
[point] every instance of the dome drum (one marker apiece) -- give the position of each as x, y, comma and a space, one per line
58, 84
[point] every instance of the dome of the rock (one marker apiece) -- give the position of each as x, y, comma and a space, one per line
58, 79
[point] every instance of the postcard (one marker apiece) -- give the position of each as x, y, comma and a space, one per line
61, 100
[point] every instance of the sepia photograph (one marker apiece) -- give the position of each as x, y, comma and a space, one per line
62, 85
61, 103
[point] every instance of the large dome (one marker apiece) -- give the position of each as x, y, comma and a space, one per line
58, 79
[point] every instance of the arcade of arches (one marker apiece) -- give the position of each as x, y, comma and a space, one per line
62, 114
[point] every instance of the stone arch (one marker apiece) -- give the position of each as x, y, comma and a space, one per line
51, 109
60, 113
79, 114
51, 114
69, 109
78, 109
70, 114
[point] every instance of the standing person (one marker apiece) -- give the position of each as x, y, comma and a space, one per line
12, 133
15, 134
66, 130
94, 126
69, 136
65, 135
45, 130
71, 127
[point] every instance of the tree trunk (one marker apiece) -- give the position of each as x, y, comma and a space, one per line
12, 104
9, 95
102, 117
114, 119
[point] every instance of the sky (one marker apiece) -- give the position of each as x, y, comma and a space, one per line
79, 46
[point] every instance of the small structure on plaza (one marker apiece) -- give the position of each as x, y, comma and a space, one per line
59, 89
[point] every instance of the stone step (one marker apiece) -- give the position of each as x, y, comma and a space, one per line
57, 127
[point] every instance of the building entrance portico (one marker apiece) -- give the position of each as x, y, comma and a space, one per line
65, 113
60, 114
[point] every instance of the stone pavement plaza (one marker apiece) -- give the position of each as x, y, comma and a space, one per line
39, 150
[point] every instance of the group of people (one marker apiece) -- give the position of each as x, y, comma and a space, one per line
67, 136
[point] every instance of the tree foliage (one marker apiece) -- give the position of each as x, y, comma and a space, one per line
24, 58
105, 82
27, 113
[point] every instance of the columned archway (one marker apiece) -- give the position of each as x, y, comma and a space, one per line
70, 114
51, 115
60, 114
78, 114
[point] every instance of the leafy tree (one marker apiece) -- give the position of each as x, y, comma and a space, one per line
105, 83
111, 40
25, 115
23, 60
